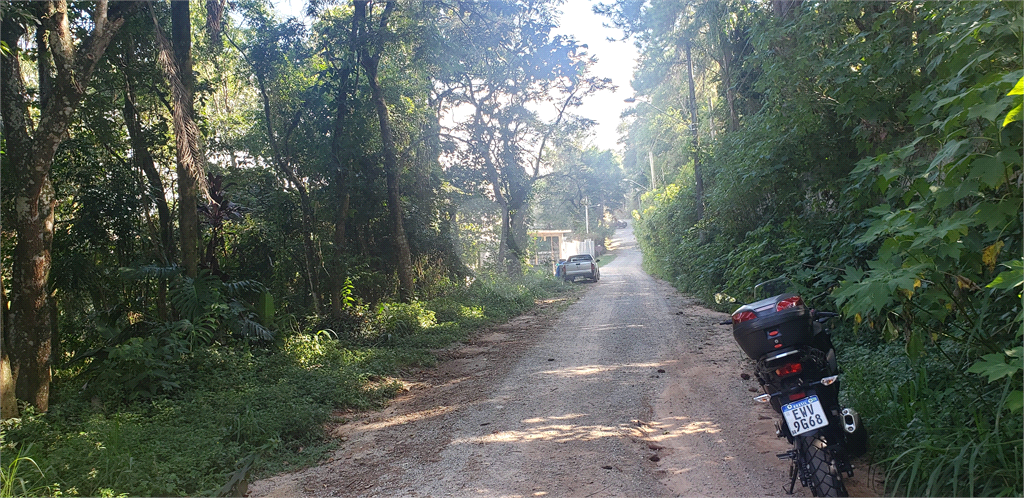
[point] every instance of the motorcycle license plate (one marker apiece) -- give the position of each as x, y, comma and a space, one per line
804, 415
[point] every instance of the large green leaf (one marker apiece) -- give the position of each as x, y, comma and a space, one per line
1009, 279
996, 366
265, 308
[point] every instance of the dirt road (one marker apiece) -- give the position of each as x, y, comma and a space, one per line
631, 391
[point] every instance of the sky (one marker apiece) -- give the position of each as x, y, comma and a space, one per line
615, 60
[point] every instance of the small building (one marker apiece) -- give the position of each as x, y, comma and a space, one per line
550, 245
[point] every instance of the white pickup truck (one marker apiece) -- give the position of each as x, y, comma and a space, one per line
581, 265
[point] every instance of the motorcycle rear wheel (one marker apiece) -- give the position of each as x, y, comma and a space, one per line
820, 465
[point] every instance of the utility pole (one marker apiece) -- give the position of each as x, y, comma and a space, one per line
650, 159
586, 217
586, 214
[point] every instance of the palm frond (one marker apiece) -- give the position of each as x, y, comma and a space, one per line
145, 272
252, 331
237, 289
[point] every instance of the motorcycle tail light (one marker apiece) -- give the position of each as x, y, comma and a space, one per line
789, 369
789, 303
743, 316
796, 396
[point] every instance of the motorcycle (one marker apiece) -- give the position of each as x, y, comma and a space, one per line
797, 369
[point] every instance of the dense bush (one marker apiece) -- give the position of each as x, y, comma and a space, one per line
234, 407
893, 194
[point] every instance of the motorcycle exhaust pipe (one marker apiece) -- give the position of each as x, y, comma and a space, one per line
851, 419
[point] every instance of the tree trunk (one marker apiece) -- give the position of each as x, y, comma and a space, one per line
730, 92
342, 159
517, 232
337, 278
340, 245
8, 400
308, 223
143, 159
697, 173
312, 261
785, 9
505, 240
391, 170
30, 154
391, 167
339, 240
191, 176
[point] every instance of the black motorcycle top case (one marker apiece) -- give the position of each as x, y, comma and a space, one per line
772, 330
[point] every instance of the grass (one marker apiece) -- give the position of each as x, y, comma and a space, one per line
239, 410
928, 440
13, 482
606, 259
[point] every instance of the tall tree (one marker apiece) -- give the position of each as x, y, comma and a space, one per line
279, 58
508, 66
582, 176
175, 57
65, 68
694, 138
719, 28
682, 43
371, 48
130, 57
345, 71
191, 171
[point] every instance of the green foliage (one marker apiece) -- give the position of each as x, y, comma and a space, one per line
234, 403
394, 321
583, 177
12, 479
934, 443
883, 174
233, 408
141, 367
660, 225
143, 360
948, 241
434, 278
1003, 365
